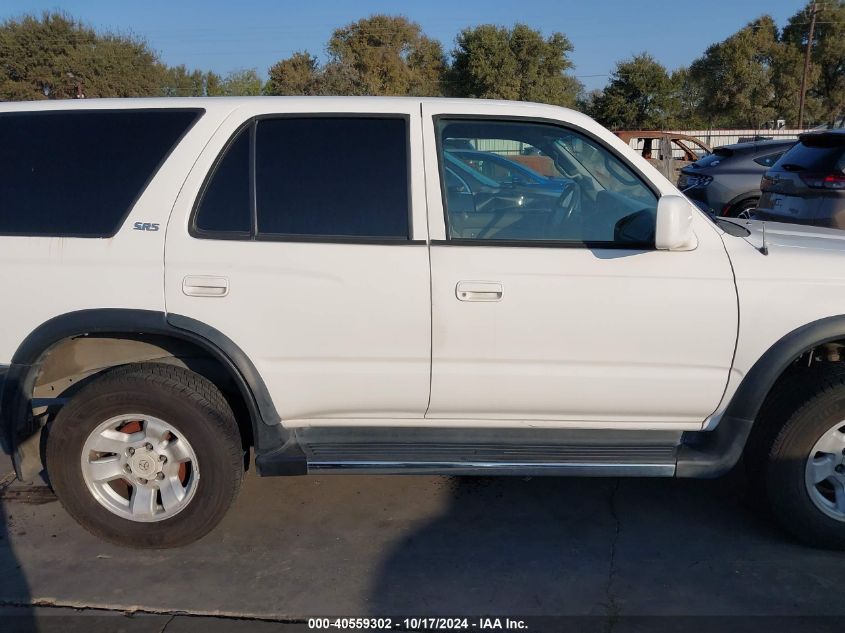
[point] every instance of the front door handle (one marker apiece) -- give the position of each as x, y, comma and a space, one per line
202, 286
479, 291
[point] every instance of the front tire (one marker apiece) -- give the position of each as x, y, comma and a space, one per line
147, 455
744, 210
805, 471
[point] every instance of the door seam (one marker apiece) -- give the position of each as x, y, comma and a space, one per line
421, 138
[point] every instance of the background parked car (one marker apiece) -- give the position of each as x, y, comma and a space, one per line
505, 170
482, 204
728, 180
807, 184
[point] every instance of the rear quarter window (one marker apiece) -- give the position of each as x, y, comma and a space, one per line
768, 160
78, 173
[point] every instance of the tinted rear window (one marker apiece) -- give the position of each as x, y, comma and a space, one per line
224, 207
813, 158
332, 177
78, 173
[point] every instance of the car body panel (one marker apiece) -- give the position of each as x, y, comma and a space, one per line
70, 270
784, 290
327, 364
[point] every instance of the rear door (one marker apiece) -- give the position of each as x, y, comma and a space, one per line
306, 245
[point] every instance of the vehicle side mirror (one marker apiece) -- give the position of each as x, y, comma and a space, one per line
674, 225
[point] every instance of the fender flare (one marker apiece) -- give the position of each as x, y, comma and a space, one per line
16, 423
713, 453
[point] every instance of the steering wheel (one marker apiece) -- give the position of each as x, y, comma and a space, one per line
568, 205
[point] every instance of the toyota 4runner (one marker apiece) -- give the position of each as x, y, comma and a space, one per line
341, 285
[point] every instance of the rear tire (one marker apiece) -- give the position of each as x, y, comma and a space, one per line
805, 466
114, 450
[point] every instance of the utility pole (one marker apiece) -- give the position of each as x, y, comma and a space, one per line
813, 12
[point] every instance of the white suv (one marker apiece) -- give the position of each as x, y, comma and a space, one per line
370, 285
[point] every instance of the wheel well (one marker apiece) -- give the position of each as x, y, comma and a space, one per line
745, 199
784, 367
806, 366
66, 366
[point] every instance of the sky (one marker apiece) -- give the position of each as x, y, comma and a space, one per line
224, 36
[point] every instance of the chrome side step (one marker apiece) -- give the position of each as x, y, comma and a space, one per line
522, 469
529, 452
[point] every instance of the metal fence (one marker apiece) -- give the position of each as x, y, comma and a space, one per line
717, 138
713, 138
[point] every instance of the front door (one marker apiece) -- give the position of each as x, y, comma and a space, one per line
550, 302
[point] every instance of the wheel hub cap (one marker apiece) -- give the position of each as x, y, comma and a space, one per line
144, 465
825, 472
140, 468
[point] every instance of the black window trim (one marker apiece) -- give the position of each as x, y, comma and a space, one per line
199, 233
591, 245
254, 234
198, 114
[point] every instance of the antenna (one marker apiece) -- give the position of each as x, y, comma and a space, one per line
764, 249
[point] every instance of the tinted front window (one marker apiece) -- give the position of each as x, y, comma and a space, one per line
78, 173
332, 177
225, 207
582, 192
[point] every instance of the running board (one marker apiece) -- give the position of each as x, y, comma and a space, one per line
448, 451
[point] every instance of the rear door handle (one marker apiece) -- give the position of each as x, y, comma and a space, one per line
201, 286
479, 291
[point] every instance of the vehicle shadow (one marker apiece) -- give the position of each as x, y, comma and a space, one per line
601, 548
16, 613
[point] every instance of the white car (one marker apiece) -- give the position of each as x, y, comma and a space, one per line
321, 281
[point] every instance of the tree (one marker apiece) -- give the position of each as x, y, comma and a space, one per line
56, 57
735, 76
299, 74
826, 83
239, 83
639, 96
384, 55
180, 82
687, 97
493, 62
787, 68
